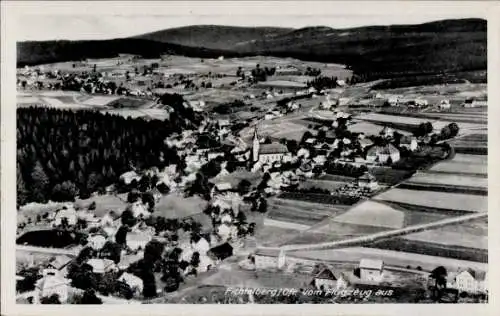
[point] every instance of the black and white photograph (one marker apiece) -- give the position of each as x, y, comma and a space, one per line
213, 158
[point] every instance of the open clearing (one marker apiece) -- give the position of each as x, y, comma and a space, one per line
177, 206
438, 200
104, 204
372, 213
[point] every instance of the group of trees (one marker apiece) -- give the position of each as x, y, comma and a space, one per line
312, 72
345, 169
261, 74
228, 107
62, 154
424, 129
323, 82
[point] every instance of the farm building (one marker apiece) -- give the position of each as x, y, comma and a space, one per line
269, 258
327, 279
134, 282
472, 103
288, 71
371, 270
383, 154
469, 281
444, 104
367, 180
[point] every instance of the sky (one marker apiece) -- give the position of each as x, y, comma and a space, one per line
38, 27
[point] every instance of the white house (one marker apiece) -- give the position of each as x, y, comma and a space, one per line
367, 180
469, 281
102, 266
97, 241
444, 104
135, 283
137, 241
269, 258
129, 176
68, 213
382, 154
202, 246
371, 270
51, 283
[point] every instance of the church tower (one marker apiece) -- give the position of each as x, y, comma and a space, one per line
256, 146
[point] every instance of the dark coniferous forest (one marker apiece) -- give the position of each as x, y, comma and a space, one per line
62, 154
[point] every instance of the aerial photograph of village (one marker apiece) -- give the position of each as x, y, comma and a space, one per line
220, 164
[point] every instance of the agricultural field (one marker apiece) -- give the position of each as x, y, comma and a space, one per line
433, 248
437, 179
391, 258
463, 164
472, 234
371, 213
333, 231
409, 122
389, 176
437, 200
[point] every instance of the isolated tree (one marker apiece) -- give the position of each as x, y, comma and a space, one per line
244, 186
121, 235
454, 129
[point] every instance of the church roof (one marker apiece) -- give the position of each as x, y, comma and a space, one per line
274, 148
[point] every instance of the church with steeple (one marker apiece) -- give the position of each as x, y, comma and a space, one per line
267, 153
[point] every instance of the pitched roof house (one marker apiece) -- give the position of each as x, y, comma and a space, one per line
382, 154
220, 252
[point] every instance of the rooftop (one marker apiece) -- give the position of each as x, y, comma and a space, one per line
274, 148
372, 264
268, 252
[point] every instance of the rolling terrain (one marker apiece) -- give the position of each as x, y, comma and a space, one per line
449, 46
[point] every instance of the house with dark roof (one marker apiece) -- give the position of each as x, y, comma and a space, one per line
220, 252
327, 279
382, 154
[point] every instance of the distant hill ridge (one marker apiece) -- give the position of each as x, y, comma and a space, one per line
371, 51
